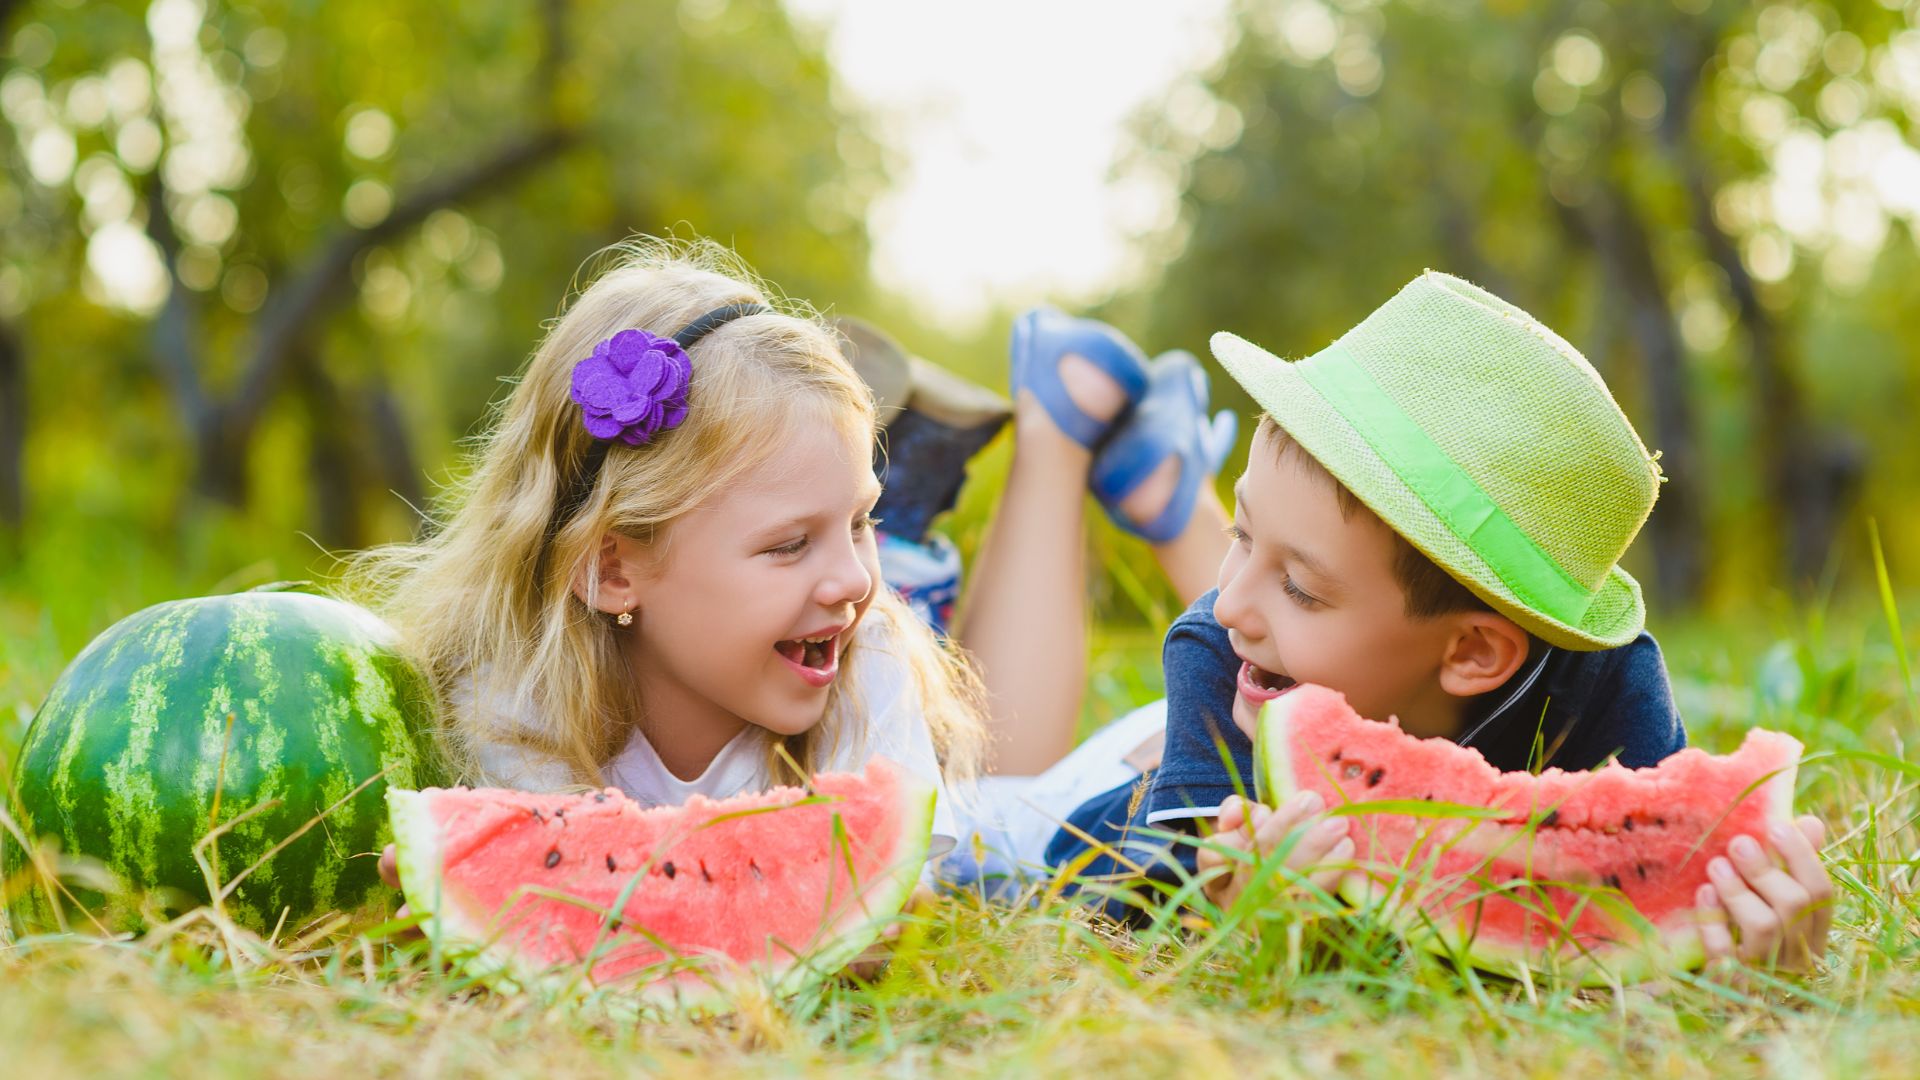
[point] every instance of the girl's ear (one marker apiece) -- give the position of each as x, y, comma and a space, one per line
1483, 653
618, 561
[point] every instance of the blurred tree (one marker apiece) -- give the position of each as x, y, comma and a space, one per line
13, 365
319, 234
1642, 176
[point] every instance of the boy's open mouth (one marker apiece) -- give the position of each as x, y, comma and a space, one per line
816, 658
1259, 685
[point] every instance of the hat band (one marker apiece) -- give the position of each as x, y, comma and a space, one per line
1460, 503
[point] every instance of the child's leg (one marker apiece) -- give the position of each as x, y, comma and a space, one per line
1024, 617
1192, 559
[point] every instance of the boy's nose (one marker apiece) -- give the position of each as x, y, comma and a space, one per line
1233, 610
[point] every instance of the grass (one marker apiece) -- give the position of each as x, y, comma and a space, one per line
1284, 988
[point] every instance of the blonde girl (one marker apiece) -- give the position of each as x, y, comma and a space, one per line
661, 573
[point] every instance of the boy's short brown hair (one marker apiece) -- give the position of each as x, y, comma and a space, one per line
1430, 591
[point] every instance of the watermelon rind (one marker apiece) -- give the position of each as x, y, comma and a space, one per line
1661, 949
467, 938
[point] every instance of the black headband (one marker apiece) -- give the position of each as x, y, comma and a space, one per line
575, 494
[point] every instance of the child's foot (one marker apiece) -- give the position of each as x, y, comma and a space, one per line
1073, 377
933, 423
1091, 390
1149, 473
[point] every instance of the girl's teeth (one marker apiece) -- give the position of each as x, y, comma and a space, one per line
813, 652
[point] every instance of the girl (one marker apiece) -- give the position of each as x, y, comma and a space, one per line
662, 573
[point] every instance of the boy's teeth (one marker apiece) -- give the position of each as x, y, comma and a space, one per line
1267, 680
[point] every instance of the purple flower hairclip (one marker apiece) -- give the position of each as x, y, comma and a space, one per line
633, 387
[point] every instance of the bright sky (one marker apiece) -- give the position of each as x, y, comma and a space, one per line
1007, 117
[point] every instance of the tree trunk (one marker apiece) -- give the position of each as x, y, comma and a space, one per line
13, 438
1609, 226
332, 465
392, 447
1812, 477
13, 399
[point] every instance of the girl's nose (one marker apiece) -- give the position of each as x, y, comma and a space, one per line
848, 579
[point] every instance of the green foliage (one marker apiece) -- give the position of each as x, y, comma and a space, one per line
412, 189
1706, 197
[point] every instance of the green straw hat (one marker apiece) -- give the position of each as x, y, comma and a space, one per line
1486, 441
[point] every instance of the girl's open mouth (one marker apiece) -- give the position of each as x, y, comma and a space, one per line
815, 659
1260, 686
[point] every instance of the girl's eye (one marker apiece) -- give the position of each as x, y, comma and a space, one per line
794, 548
865, 523
1304, 599
1237, 534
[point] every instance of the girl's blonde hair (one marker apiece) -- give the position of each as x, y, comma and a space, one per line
485, 604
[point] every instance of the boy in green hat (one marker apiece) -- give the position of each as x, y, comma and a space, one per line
1430, 522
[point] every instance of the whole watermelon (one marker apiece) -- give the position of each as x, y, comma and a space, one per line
190, 713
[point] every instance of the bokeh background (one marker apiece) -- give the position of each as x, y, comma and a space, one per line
264, 265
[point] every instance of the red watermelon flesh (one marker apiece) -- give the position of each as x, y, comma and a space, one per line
1565, 871
781, 887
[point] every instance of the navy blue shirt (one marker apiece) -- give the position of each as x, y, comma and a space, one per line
1579, 708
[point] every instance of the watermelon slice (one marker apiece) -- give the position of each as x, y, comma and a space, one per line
1588, 874
783, 887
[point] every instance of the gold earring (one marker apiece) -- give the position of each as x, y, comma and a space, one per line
625, 618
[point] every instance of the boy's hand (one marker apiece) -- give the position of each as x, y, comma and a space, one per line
1251, 827
1764, 914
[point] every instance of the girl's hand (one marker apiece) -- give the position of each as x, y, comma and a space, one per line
867, 966
390, 873
390, 867
1763, 914
1251, 827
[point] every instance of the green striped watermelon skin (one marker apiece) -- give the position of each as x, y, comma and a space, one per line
122, 762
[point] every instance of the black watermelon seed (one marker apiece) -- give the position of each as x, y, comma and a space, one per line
1336, 755
535, 811
1374, 776
704, 876
1552, 819
1659, 823
1428, 796
1627, 823
1613, 882
755, 867
669, 871
1641, 869
559, 811
553, 858
610, 867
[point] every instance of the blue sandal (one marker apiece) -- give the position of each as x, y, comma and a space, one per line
1171, 420
1042, 336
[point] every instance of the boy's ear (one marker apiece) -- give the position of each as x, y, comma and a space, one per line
1482, 654
619, 563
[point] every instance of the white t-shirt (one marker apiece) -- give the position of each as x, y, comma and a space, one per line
889, 723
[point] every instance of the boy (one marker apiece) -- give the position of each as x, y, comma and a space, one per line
1430, 522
